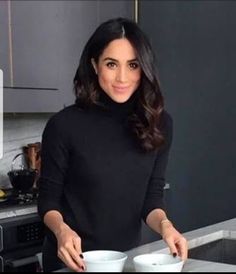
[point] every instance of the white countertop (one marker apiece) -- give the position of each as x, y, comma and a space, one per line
195, 237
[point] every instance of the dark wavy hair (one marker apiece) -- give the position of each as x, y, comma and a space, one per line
145, 122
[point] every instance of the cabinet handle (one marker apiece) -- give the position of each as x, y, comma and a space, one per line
21, 262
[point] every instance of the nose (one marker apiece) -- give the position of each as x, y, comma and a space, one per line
121, 75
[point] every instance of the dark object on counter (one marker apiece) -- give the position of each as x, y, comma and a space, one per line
13, 197
22, 179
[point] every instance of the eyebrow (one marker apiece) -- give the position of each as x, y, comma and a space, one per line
114, 60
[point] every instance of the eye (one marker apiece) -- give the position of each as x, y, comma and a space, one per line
111, 65
133, 65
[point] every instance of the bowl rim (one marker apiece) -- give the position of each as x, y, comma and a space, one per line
177, 258
125, 256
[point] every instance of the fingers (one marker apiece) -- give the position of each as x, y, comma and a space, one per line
71, 255
77, 247
183, 248
66, 257
172, 247
179, 247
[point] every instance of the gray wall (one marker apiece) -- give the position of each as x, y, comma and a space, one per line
18, 131
195, 45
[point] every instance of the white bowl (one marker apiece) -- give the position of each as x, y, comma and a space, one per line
157, 263
104, 261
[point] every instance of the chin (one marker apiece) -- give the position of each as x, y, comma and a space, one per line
121, 99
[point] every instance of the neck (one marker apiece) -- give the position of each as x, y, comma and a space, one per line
118, 109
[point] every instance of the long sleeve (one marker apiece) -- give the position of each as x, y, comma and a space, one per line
154, 195
54, 164
90, 163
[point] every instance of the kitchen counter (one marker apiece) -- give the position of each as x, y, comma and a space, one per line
195, 238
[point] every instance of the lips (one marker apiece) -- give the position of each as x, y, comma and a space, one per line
120, 88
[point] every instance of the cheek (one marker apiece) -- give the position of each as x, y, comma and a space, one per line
105, 78
136, 77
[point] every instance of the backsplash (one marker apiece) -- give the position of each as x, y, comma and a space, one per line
18, 131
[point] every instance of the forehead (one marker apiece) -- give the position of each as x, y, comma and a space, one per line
119, 49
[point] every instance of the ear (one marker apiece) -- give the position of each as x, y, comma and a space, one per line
94, 65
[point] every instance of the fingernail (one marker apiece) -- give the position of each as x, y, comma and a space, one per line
174, 254
81, 256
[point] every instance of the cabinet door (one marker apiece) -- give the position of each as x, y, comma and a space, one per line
81, 18
48, 42
35, 51
35, 31
195, 43
112, 9
78, 21
4, 43
48, 38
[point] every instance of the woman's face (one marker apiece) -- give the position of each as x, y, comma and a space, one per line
118, 70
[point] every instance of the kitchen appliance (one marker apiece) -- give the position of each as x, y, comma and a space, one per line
22, 179
21, 231
33, 159
33, 151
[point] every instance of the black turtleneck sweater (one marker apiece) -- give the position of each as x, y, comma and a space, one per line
93, 173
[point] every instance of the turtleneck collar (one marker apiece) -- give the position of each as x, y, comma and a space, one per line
120, 110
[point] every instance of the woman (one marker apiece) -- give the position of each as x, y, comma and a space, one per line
104, 158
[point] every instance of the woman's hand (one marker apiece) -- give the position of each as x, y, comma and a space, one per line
69, 248
177, 243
